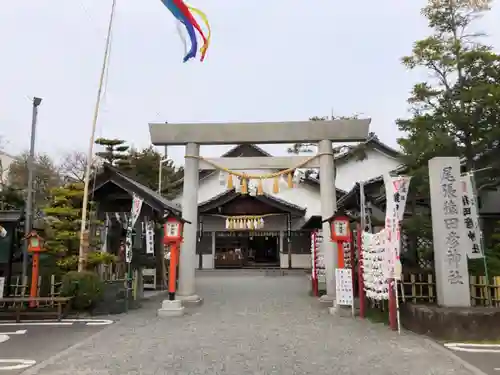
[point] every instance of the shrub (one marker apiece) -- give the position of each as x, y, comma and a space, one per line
85, 287
96, 258
68, 263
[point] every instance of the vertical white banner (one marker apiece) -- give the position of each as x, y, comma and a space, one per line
134, 215
472, 240
107, 224
396, 190
150, 238
136, 209
449, 235
2, 286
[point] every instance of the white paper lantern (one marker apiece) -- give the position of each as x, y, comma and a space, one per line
297, 176
222, 178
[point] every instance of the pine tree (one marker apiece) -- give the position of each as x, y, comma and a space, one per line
144, 167
115, 152
63, 232
64, 214
457, 112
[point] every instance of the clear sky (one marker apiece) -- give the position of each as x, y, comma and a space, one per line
271, 60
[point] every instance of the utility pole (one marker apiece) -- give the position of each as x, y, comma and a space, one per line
28, 220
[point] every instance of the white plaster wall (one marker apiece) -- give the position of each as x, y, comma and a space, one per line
207, 261
352, 171
298, 260
304, 196
283, 260
5, 162
301, 261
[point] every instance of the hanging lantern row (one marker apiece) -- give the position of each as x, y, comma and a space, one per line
244, 184
245, 222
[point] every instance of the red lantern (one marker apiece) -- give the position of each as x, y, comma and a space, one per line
34, 242
172, 231
172, 236
339, 229
35, 247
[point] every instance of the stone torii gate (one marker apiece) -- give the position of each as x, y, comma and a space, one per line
194, 135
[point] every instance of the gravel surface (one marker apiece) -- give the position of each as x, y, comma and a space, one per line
251, 324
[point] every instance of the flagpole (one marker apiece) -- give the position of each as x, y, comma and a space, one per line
81, 254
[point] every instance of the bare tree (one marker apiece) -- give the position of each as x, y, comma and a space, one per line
73, 166
46, 176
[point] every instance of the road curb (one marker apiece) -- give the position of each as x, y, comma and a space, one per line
473, 369
34, 370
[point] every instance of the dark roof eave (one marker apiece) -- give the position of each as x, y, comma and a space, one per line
121, 179
11, 216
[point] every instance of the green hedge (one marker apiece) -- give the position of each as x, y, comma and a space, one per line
85, 287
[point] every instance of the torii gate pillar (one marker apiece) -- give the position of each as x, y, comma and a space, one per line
328, 208
193, 135
187, 260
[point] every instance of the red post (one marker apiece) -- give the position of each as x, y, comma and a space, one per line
353, 266
172, 273
34, 278
34, 247
314, 277
393, 319
361, 284
340, 255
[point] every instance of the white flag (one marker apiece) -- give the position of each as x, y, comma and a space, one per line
396, 190
136, 209
472, 240
150, 238
134, 215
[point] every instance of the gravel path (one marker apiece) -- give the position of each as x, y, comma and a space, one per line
255, 325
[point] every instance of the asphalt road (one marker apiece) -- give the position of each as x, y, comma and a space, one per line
485, 357
37, 341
